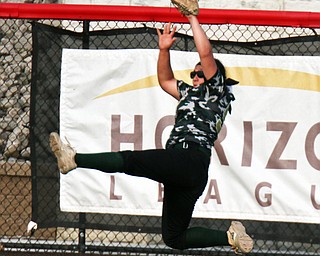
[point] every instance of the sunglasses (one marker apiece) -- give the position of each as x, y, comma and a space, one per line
200, 74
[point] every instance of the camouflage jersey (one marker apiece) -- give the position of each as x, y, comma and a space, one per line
201, 112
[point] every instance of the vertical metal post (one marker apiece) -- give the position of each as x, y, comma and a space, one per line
82, 233
85, 34
82, 216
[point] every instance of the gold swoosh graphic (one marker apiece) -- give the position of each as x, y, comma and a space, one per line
272, 77
146, 82
249, 76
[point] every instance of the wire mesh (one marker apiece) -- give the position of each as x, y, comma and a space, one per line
30, 57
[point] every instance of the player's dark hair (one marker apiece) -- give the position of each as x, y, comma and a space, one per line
221, 68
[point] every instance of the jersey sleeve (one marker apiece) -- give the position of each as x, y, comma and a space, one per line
182, 88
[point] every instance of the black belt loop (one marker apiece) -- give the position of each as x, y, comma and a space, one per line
185, 145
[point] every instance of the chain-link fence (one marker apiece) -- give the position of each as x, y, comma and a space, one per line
30, 57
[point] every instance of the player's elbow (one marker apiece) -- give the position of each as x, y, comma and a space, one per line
170, 87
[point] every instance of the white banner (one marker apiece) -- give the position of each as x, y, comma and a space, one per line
265, 165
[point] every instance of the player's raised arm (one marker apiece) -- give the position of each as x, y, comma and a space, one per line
164, 71
203, 47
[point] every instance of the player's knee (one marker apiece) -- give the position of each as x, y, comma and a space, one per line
174, 241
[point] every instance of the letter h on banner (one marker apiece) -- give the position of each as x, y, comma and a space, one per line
117, 137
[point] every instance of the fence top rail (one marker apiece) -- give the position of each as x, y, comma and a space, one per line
161, 14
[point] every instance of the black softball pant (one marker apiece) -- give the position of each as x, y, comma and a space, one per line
184, 174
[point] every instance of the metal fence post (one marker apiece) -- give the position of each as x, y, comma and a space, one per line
82, 216
82, 233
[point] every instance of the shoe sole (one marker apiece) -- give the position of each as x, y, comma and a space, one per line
243, 241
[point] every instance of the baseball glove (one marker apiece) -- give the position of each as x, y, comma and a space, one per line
187, 7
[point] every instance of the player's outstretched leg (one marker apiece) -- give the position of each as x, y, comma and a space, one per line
239, 240
64, 153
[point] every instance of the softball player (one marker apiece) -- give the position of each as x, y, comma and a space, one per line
182, 166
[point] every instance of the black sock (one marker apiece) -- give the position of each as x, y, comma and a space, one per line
106, 162
199, 237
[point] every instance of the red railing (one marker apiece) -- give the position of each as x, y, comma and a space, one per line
161, 14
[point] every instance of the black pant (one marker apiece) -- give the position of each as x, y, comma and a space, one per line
184, 174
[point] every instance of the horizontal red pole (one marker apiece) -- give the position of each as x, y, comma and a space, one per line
161, 14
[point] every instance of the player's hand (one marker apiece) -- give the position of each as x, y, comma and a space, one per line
166, 39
